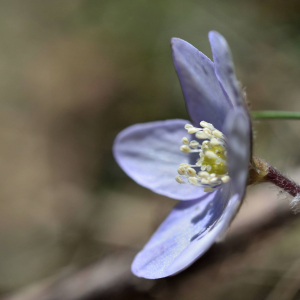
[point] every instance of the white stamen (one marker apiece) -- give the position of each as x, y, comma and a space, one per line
217, 133
181, 171
207, 132
191, 171
201, 135
208, 189
204, 181
185, 141
193, 180
206, 125
185, 149
203, 174
194, 144
225, 178
193, 130
179, 179
213, 180
214, 142
211, 155
187, 126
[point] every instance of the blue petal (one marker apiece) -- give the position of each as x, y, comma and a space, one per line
224, 67
188, 232
205, 99
237, 129
150, 154
192, 227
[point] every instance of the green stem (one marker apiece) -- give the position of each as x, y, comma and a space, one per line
273, 114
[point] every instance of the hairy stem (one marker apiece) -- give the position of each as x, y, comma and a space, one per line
288, 185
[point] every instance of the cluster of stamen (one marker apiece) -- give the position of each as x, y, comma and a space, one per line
210, 170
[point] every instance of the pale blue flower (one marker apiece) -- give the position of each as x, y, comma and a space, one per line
149, 153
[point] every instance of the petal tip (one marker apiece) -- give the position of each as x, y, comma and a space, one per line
177, 43
174, 40
216, 37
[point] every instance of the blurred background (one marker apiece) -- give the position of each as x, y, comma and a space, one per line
75, 73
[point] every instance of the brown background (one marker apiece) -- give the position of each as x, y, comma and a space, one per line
75, 73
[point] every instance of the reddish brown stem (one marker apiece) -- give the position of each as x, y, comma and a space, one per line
281, 181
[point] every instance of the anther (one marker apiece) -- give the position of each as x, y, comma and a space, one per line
194, 144
187, 126
185, 165
213, 180
193, 130
208, 189
193, 180
225, 178
179, 179
217, 133
203, 174
206, 125
185, 149
181, 170
204, 181
185, 141
211, 155
201, 135
191, 171
214, 142
207, 132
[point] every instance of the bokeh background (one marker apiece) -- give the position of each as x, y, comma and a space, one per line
75, 73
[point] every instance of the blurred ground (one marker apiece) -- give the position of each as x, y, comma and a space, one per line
73, 74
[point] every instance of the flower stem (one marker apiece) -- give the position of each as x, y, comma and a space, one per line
288, 185
273, 114
260, 171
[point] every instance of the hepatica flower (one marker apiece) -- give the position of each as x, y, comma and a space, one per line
204, 162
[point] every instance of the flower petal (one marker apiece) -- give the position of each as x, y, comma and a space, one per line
237, 129
188, 232
150, 154
205, 99
224, 67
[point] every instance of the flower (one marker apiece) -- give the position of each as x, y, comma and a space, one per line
149, 154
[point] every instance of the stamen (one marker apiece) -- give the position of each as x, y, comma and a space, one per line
193, 180
187, 126
193, 130
185, 149
191, 171
208, 189
217, 133
203, 174
225, 179
185, 141
211, 155
214, 142
206, 125
204, 181
194, 144
181, 171
210, 169
201, 135
179, 179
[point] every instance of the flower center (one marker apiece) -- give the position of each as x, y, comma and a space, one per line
210, 170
